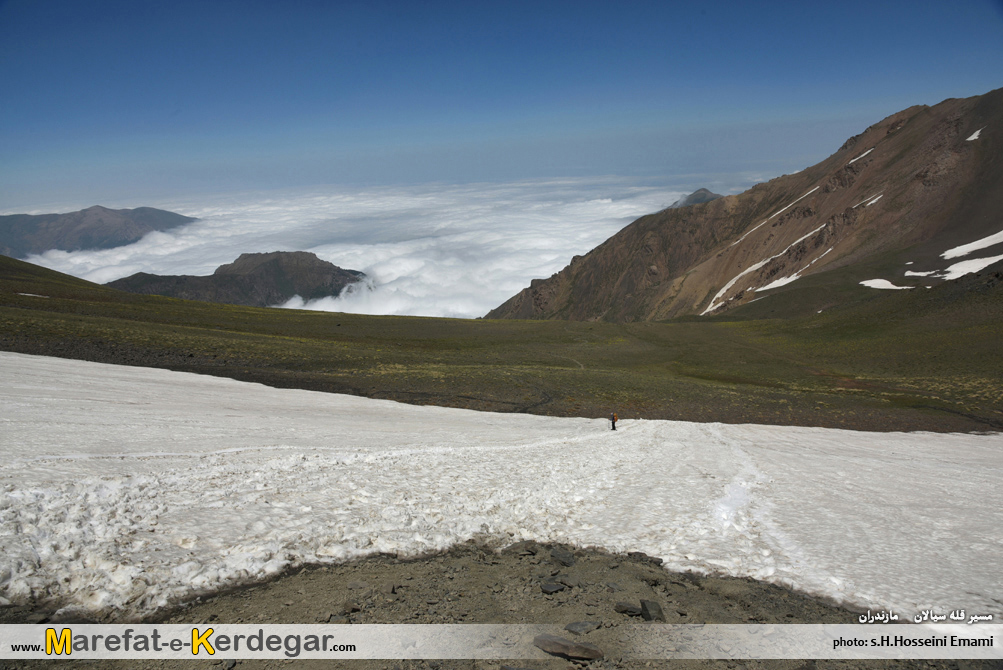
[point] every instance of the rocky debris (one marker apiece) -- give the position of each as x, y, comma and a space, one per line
568, 648
651, 611
641, 556
613, 587
629, 609
551, 587
350, 606
582, 627
570, 581
562, 556
468, 588
524, 548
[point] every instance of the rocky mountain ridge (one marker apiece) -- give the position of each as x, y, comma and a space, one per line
257, 280
915, 200
93, 228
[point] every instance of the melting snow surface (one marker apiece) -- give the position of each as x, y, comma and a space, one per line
126, 488
881, 283
861, 156
966, 249
976, 134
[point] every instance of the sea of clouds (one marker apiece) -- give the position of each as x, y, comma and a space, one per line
430, 250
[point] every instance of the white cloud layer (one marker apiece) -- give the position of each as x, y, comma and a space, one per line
431, 250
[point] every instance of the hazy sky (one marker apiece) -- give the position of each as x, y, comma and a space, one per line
104, 102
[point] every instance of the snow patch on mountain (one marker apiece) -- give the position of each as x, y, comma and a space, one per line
882, 284
966, 249
968, 267
861, 156
714, 304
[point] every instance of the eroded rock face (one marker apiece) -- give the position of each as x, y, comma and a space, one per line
257, 280
912, 186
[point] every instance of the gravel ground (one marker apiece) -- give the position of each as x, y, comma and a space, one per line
476, 584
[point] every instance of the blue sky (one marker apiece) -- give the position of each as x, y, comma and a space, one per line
106, 101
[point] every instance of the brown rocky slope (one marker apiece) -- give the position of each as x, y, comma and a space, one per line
891, 200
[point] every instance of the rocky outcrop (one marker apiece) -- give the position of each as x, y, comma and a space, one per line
258, 280
93, 228
891, 200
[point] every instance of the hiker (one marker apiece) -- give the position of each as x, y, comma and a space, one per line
612, 419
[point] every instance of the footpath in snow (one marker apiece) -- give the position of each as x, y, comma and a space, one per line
129, 488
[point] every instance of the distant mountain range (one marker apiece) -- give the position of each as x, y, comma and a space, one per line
257, 280
93, 228
914, 201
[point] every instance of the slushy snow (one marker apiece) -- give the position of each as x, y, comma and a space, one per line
125, 489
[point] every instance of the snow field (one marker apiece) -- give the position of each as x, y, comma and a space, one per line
125, 489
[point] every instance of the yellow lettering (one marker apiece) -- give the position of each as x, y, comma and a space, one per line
201, 641
58, 645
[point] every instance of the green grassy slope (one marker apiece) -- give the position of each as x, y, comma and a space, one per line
846, 369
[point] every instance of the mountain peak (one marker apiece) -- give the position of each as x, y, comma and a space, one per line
96, 227
254, 279
697, 197
895, 203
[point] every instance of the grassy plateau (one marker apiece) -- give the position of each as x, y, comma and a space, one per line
930, 360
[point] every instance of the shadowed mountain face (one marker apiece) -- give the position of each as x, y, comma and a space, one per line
906, 202
257, 280
92, 228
